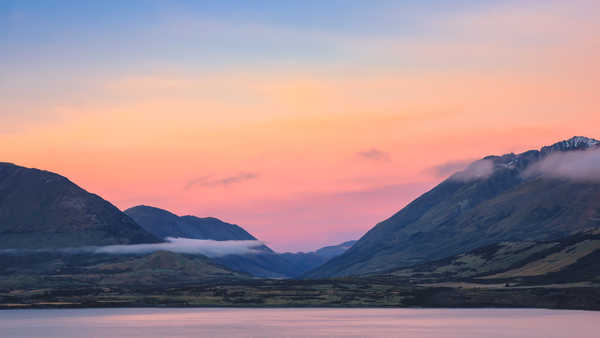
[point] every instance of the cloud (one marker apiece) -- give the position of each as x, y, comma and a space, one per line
206, 181
374, 154
206, 247
447, 168
575, 165
477, 170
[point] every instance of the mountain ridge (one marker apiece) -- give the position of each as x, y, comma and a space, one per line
488, 202
163, 223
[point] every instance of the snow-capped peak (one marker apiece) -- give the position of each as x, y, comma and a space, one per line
574, 143
578, 141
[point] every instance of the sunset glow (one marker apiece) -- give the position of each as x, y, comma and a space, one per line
306, 125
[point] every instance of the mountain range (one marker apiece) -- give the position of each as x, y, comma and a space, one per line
41, 211
263, 263
517, 220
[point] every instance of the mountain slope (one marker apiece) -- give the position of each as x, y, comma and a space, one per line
163, 223
71, 270
40, 209
570, 259
495, 199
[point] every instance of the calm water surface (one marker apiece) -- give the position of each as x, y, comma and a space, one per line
231, 323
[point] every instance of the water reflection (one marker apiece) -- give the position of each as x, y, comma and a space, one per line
231, 323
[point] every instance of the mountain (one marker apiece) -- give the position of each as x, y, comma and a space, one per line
40, 209
536, 195
162, 223
282, 265
264, 263
334, 250
572, 259
41, 212
306, 261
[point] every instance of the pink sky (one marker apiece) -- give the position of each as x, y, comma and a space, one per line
310, 153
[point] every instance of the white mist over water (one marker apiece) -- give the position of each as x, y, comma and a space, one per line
234, 323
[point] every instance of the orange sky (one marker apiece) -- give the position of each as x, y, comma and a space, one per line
315, 150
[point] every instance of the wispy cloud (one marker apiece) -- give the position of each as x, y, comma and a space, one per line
375, 155
575, 165
207, 181
477, 170
206, 247
448, 168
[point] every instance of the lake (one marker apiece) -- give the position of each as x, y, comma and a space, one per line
231, 323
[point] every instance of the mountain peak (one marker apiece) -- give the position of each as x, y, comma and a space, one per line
574, 143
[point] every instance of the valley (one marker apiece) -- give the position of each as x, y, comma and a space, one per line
501, 233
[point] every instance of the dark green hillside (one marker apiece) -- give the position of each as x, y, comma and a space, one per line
573, 259
61, 269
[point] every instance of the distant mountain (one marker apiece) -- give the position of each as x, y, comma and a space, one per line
282, 265
571, 259
162, 223
514, 197
40, 209
265, 263
306, 261
335, 250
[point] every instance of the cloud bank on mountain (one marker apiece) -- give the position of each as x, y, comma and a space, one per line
577, 166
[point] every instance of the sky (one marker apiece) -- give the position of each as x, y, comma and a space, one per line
305, 122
